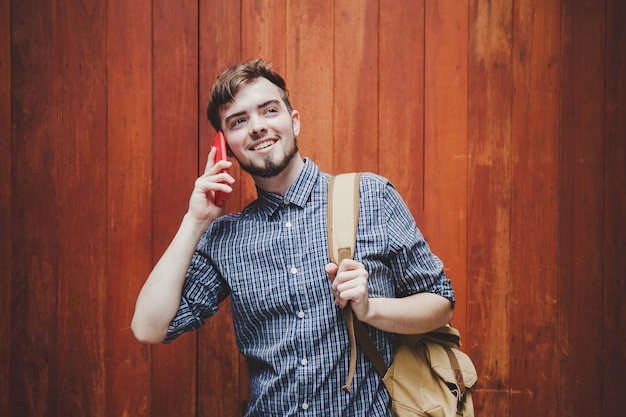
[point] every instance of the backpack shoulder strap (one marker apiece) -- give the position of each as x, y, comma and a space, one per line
343, 215
342, 224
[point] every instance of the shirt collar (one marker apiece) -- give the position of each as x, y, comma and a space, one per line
297, 194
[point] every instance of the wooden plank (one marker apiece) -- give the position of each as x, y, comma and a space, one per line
175, 149
581, 205
263, 31
5, 205
309, 66
222, 376
534, 216
80, 182
401, 100
489, 210
36, 120
445, 154
355, 120
614, 291
129, 204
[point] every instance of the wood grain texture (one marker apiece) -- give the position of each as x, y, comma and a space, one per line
129, 201
445, 147
534, 215
80, 181
355, 119
6, 259
581, 205
401, 101
37, 120
613, 359
175, 139
489, 195
309, 74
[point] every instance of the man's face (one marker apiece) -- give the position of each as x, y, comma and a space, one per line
261, 132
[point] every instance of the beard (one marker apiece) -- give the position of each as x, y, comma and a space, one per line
272, 168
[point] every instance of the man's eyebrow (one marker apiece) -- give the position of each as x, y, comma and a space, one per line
268, 102
234, 115
260, 106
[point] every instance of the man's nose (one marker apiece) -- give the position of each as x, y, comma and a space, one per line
257, 126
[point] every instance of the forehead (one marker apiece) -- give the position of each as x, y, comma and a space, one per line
252, 95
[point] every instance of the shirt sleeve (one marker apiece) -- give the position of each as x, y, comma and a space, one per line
416, 268
202, 293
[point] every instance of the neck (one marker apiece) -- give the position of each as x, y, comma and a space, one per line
280, 183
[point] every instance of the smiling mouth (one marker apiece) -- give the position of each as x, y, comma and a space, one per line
263, 145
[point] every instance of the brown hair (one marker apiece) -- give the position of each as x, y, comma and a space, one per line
229, 83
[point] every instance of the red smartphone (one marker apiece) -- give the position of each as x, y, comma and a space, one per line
220, 144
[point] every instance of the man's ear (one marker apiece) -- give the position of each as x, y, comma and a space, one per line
295, 122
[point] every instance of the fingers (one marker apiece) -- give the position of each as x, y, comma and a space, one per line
348, 282
216, 178
331, 270
210, 160
211, 167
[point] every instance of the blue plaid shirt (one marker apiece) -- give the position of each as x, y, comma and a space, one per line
270, 260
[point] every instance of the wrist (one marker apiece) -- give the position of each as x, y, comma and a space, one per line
195, 225
372, 313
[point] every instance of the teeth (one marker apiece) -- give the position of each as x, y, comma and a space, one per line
264, 145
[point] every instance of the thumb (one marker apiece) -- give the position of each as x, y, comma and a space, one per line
331, 270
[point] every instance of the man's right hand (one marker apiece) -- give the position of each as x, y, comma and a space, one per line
202, 207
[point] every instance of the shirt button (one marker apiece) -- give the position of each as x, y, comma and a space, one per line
304, 362
301, 314
286, 202
294, 270
288, 225
305, 406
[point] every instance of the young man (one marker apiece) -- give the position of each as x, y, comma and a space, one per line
272, 260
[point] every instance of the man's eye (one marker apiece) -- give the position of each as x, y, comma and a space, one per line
271, 110
236, 122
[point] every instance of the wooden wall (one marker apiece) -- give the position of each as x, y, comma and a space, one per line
502, 123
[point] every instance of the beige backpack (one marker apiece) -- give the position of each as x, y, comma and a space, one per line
429, 375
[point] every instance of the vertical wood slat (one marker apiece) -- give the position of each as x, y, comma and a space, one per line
80, 184
222, 381
581, 205
489, 194
175, 139
614, 320
401, 101
263, 31
308, 70
6, 165
445, 137
36, 117
355, 103
129, 205
534, 220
